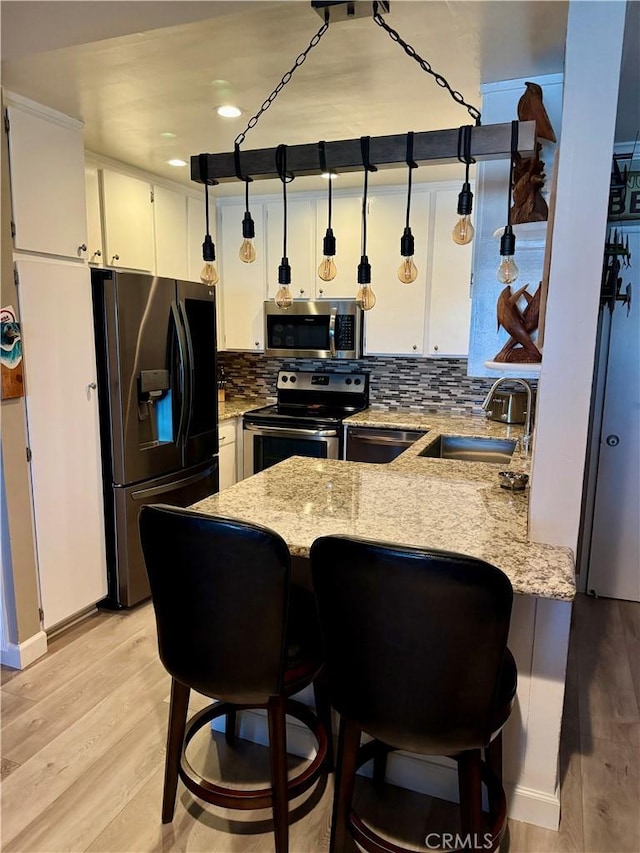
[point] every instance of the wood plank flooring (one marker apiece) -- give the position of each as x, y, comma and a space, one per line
83, 733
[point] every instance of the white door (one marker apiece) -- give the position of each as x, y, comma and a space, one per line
62, 409
395, 326
170, 231
49, 215
243, 286
615, 542
449, 311
128, 222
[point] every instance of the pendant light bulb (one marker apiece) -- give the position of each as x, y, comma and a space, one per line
407, 271
327, 270
508, 270
247, 253
365, 297
283, 297
209, 273
463, 231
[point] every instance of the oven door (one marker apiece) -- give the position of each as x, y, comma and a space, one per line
265, 446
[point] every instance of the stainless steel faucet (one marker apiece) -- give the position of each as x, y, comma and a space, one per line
528, 424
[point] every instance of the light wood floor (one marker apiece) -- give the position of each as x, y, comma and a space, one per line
83, 733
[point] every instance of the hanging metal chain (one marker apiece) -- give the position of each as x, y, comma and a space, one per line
253, 121
426, 66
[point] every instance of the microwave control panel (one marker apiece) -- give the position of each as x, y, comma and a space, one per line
345, 331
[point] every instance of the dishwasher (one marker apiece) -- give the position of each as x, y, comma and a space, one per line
378, 445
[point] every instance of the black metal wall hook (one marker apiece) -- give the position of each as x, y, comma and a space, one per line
236, 162
365, 142
411, 163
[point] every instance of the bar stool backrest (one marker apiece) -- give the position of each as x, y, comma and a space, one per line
220, 591
414, 641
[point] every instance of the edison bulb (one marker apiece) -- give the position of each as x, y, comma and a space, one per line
463, 231
365, 297
508, 270
283, 298
407, 271
247, 253
209, 274
327, 269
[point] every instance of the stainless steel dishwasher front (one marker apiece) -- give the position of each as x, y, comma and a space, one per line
378, 445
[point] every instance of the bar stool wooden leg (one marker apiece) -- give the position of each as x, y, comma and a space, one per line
380, 762
278, 759
231, 726
493, 755
175, 737
323, 711
345, 778
470, 787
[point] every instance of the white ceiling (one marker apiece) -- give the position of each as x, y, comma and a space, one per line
133, 70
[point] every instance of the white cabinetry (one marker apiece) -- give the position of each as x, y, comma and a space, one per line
170, 233
449, 313
395, 326
227, 451
95, 249
195, 234
346, 219
128, 221
243, 286
64, 437
47, 175
301, 226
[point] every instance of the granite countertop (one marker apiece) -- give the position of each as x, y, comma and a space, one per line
432, 503
237, 406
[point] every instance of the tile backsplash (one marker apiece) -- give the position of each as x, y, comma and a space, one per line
425, 384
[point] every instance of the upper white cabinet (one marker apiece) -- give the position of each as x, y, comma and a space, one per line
395, 326
449, 312
195, 233
346, 218
47, 182
128, 221
170, 232
243, 286
95, 249
301, 226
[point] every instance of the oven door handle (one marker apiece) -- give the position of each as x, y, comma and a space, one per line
292, 432
332, 332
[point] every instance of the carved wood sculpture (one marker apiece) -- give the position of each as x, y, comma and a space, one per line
528, 174
520, 348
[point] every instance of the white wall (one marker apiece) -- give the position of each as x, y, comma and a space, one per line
592, 67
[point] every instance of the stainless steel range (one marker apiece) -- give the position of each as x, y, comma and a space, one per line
306, 420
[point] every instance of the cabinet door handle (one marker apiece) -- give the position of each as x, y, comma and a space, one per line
415, 347
92, 386
257, 343
82, 248
435, 347
301, 291
321, 291
115, 258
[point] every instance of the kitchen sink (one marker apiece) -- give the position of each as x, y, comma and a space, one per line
470, 449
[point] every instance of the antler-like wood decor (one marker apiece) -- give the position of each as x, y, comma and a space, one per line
520, 325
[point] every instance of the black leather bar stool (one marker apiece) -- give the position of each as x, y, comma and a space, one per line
416, 656
231, 626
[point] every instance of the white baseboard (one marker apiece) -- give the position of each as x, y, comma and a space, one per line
435, 776
20, 655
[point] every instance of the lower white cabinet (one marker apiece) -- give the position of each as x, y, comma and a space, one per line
227, 453
64, 436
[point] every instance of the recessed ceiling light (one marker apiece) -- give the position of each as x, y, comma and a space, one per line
329, 175
168, 135
177, 162
229, 111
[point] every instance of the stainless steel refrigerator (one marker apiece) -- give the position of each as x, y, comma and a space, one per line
156, 354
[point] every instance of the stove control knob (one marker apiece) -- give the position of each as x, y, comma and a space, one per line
347, 382
285, 378
357, 381
293, 378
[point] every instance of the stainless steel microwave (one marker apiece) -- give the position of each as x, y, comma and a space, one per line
324, 328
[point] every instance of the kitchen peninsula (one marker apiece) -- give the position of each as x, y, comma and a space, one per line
455, 506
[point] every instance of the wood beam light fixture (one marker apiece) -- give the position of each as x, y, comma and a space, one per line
492, 142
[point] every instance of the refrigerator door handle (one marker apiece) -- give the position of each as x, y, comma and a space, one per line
189, 371
143, 494
182, 370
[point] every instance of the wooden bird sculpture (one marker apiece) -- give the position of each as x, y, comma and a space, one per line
531, 108
519, 325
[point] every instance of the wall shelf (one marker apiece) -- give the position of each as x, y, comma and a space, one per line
514, 370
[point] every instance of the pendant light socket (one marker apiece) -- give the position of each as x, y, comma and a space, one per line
329, 244
248, 226
364, 270
284, 272
508, 242
407, 247
208, 249
465, 200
